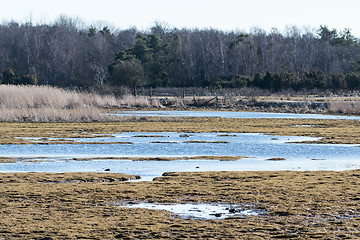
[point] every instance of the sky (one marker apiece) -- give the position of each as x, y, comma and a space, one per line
226, 15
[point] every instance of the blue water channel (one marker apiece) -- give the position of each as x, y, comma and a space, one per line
232, 114
258, 147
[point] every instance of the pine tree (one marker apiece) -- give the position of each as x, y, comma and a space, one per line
127, 73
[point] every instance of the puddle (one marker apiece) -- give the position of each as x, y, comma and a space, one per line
199, 211
304, 125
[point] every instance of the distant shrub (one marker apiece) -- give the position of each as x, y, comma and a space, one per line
241, 81
9, 76
29, 80
352, 81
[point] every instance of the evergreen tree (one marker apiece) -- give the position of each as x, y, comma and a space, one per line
92, 31
327, 35
258, 80
336, 81
174, 60
155, 66
352, 81
106, 32
140, 49
267, 81
276, 82
127, 73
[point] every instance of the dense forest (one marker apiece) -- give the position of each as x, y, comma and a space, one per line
66, 54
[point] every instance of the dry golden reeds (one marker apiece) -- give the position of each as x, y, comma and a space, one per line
344, 107
12, 96
50, 104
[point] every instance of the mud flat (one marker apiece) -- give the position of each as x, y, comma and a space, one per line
303, 205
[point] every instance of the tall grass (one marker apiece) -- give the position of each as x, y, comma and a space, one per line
50, 104
344, 107
12, 96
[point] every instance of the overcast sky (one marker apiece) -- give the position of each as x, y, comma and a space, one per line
222, 14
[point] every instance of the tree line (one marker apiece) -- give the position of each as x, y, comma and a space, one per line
67, 54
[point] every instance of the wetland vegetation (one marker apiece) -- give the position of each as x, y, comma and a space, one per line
305, 205
300, 204
86, 205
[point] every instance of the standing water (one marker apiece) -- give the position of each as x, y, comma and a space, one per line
264, 152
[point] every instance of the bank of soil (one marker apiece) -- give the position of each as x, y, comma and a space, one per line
302, 205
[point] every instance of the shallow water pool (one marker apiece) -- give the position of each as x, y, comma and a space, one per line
169, 144
262, 150
199, 211
228, 114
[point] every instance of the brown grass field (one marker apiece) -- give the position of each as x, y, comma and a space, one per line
302, 205
295, 205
